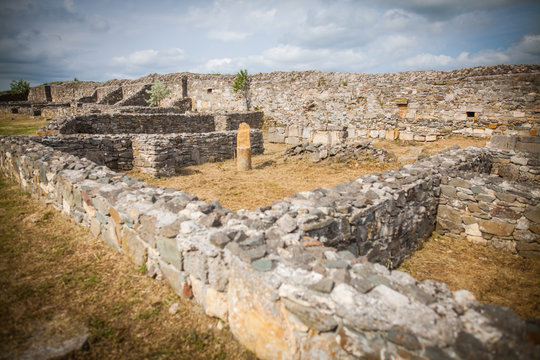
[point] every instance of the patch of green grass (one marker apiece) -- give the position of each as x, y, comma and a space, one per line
17, 124
145, 315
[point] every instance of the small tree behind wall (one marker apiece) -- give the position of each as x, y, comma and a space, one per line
241, 85
157, 93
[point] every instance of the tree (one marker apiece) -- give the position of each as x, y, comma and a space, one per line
19, 87
241, 84
157, 93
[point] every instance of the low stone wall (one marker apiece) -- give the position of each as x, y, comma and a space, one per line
113, 151
500, 210
270, 273
120, 123
334, 134
148, 121
53, 112
157, 155
162, 155
27, 108
233, 120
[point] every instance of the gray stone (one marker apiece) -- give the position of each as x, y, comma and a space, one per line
219, 239
58, 338
311, 317
218, 274
286, 223
263, 265
169, 251
325, 285
195, 264
404, 337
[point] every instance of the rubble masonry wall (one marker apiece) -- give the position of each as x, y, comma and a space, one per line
270, 274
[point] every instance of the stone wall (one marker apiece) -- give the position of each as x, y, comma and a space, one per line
477, 102
113, 151
148, 121
158, 155
121, 123
502, 209
231, 121
269, 273
162, 155
53, 112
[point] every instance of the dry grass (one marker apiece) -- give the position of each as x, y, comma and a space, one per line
20, 124
493, 276
50, 266
272, 178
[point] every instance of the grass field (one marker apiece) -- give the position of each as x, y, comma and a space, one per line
19, 124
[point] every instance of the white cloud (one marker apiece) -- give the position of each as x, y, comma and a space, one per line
151, 57
224, 35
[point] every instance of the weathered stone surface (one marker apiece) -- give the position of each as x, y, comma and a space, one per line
263, 265
169, 251
311, 317
58, 338
403, 337
496, 227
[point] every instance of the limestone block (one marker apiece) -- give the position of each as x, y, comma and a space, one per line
292, 140
320, 137
294, 130
406, 136
419, 138
216, 304
362, 133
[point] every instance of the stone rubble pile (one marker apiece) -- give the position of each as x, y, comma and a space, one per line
359, 151
292, 279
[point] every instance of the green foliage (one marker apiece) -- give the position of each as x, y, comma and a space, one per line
75, 80
241, 84
157, 93
19, 87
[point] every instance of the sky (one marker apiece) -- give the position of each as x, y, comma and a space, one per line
51, 40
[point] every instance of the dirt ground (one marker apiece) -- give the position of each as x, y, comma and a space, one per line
50, 267
274, 178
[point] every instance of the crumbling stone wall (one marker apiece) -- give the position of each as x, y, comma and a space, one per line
163, 155
284, 295
121, 123
477, 101
502, 209
158, 155
113, 151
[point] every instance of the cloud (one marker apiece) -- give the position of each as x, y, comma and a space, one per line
224, 35
526, 51
140, 62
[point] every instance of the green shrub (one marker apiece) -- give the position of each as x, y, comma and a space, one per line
157, 93
241, 84
19, 87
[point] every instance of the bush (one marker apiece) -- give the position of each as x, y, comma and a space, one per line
157, 93
19, 87
241, 84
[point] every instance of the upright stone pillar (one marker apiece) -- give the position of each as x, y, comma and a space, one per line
243, 148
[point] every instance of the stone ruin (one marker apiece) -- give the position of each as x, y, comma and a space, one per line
309, 276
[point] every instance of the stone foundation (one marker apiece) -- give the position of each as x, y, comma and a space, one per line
292, 279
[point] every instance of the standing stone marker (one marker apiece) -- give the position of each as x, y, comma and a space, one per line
243, 148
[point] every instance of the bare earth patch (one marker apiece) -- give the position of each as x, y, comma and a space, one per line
50, 267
